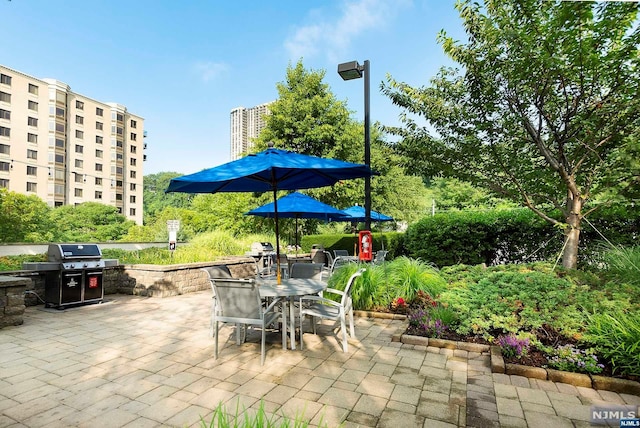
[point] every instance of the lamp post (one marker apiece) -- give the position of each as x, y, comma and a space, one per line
349, 71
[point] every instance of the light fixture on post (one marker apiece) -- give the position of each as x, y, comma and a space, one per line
349, 71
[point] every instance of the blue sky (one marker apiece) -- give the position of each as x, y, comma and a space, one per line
183, 65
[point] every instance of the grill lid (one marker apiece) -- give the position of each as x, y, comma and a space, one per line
259, 247
64, 252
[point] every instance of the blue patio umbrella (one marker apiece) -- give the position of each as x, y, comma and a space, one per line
297, 205
270, 170
357, 214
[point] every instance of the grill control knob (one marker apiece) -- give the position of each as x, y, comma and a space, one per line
72, 266
85, 265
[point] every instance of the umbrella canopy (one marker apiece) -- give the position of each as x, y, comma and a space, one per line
297, 205
357, 213
270, 170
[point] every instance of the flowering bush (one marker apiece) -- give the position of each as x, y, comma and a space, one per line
571, 359
431, 327
511, 346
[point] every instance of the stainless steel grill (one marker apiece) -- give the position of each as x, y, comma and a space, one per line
73, 274
264, 254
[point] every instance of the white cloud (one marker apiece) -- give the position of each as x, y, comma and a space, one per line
210, 70
333, 37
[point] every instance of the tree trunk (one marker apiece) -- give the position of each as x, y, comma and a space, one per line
572, 234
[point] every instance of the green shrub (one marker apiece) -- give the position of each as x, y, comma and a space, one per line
623, 265
616, 337
408, 276
513, 299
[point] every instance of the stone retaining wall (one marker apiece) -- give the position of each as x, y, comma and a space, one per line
171, 280
12, 300
142, 280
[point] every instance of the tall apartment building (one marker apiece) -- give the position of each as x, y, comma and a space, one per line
246, 124
67, 148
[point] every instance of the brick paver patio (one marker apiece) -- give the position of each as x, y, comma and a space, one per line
148, 362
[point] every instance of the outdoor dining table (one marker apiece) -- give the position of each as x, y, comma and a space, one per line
290, 289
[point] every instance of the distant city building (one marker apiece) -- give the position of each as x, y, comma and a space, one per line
246, 124
67, 148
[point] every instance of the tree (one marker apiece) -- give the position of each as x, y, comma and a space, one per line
306, 118
155, 200
542, 110
89, 221
23, 218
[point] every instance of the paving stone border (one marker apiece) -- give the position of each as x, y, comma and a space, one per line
498, 365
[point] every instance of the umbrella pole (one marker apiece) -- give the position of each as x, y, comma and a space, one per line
275, 217
296, 237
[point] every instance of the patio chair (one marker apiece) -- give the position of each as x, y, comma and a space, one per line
380, 256
238, 302
218, 271
340, 253
321, 307
306, 270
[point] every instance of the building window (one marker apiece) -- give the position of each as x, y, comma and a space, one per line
60, 127
79, 120
79, 163
99, 126
119, 117
133, 161
79, 134
119, 143
98, 167
59, 158
134, 124
4, 79
79, 105
5, 114
98, 181
59, 142
5, 149
118, 183
132, 199
4, 183
132, 212
32, 187
118, 196
79, 148
32, 170
98, 139
77, 192
99, 111
32, 138
5, 166
33, 89
99, 153
119, 130
98, 194
79, 178
5, 132
132, 186
58, 189
133, 149
119, 157
32, 121
5, 97
132, 174
60, 112
32, 105
133, 136
32, 154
